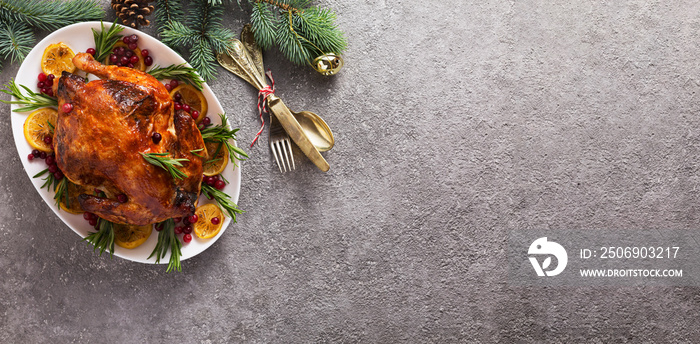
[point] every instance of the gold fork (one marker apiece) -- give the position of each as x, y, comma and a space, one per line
281, 146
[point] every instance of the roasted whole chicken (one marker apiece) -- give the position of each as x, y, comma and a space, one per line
98, 144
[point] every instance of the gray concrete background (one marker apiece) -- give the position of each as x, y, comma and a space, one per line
456, 122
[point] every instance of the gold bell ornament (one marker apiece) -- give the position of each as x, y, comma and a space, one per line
328, 64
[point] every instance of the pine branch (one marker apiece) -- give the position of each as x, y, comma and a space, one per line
16, 40
264, 24
50, 15
202, 59
168, 11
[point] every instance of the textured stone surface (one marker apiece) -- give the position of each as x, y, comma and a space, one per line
455, 123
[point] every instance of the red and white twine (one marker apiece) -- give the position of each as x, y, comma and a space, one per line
262, 103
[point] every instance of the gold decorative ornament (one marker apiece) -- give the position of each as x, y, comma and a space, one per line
328, 64
133, 12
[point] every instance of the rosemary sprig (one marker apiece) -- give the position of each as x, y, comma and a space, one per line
103, 239
195, 151
105, 40
222, 133
48, 181
164, 161
167, 240
62, 193
223, 199
179, 72
31, 101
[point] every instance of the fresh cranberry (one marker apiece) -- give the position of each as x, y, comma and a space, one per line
159, 226
177, 97
121, 51
53, 168
178, 230
211, 181
92, 222
187, 238
174, 83
185, 220
220, 185
58, 174
87, 215
178, 106
134, 59
45, 90
206, 120
187, 229
130, 65
36, 153
215, 220
144, 52
156, 138
42, 77
49, 92
67, 107
113, 58
133, 46
50, 160
48, 140
177, 219
148, 60
50, 77
126, 39
193, 218
168, 87
134, 38
91, 51
30, 157
40, 85
124, 60
128, 53
42, 155
122, 198
186, 107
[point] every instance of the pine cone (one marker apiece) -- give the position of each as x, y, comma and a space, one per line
133, 12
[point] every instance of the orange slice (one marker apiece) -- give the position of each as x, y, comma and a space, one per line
215, 164
73, 192
204, 228
130, 236
192, 97
38, 125
137, 52
57, 58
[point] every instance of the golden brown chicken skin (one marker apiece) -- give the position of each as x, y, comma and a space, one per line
99, 141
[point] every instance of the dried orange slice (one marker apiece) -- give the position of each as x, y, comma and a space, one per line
130, 236
140, 65
192, 97
215, 164
38, 125
57, 58
205, 228
73, 192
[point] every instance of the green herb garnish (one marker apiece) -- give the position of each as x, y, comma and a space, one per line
164, 161
62, 193
48, 181
179, 72
223, 199
105, 40
103, 239
168, 241
31, 101
222, 133
195, 151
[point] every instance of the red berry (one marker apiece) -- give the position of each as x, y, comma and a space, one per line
113, 58
124, 60
174, 83
40, 85
30, 157
121, 51
187, 229
178, 106
134, 59
187, 238
194, 113
92, 222
130, 65
177, 97
50, 160
122, 198
87, 215
193, 218
220, 185
186, 107
50, 77
168, 87
177, 219
156, 138
53, 168
58, 174
148, 60
215, 220
36, 153
133, 46
178, 230
144, 52
159, 226
67, 107
91, 51
206, 120
42, 77
45, 90
128, 53
134, 38
49, 92
47, 140
126, 39
42, 155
